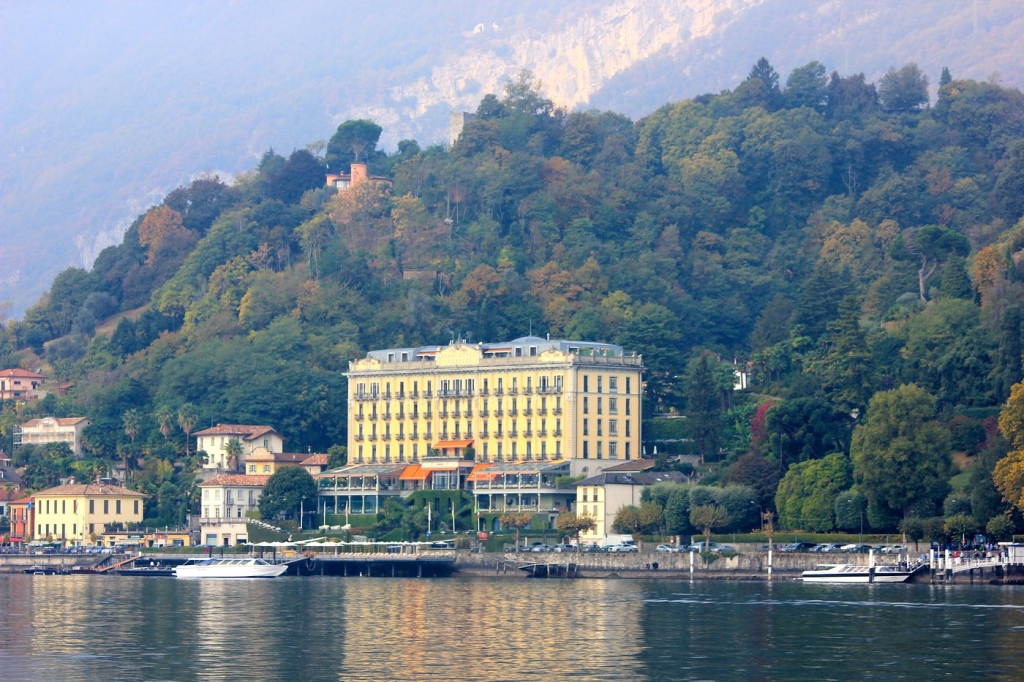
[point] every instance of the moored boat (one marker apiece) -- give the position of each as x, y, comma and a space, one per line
849, 573
244, 567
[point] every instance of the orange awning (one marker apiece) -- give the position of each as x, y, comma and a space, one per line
414, 472
441, 444
478, 473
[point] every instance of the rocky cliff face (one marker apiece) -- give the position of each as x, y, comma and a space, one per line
574, 56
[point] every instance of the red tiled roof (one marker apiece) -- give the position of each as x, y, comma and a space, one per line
315, 460
20, 373
90, 489
235, 479
247, 431
63, 421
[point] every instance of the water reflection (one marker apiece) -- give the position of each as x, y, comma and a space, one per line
109, 628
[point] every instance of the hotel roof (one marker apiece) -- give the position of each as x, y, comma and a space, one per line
528, 345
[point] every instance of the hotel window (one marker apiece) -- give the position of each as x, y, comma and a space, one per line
485, 450
558, 382
586, 449
599, 428
387, 453
92, 506
627, 449
599, 411
627, 384
586, 383
63, 506
613, 450
117, 506
415, 450
599, 455
360, 453
558, 449
515, 451
529, 449
613, 384
613, 427
627, 406
544, 449
599, 384
401, 452
586, 427
106, 506
613, 405
499, 388
586, 405
499, 451
627, 428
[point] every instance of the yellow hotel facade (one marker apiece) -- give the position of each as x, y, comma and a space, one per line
526, 400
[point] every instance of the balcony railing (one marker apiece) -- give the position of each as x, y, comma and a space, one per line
400, 395
469, 413
557, 410
399, 436
556, 432
387, 436
387, 415
513, 391
373, 416
426, 436
414, 394
527, 411
427, 393
365, 396
358, 437
443, 414
528, 433
499, 412
513, 412
456, 414
387, 395
542, 432
498, 391
359, 417
549, 390
427, 414
499, 434
528, 390
484, 412
542, 411
512, 433
484, 391
484, 434
373, 436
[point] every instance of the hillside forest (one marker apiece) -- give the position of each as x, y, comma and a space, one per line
856, 249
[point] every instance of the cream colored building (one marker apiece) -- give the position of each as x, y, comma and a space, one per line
526, 400
602, 496
231, 496
215, 439
52, 430
263, 462
80, 513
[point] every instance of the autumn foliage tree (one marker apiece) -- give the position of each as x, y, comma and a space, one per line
1009, 471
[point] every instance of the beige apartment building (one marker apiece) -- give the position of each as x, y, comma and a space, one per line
526, 400
214, 441
52, 430
602, 496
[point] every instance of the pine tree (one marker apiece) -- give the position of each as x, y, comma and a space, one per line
955, 282
703, 407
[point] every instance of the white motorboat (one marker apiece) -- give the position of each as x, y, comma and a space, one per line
244, 567
848, 573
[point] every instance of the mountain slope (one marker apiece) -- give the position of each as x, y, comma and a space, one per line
105, 109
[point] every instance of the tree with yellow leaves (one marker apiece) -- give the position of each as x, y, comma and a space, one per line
1008, 474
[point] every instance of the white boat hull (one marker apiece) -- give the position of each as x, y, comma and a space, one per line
230, 568
847, 573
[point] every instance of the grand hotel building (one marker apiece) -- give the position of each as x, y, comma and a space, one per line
528, 410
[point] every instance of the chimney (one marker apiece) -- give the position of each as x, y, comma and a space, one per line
358, 174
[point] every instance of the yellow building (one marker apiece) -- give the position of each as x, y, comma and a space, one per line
601, 497
526, 400
80, 513
215, 440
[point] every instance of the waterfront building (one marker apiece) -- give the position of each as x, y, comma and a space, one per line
79, 513
52, 430
315, 464
226, 502
215, 439
530, 399
21, 513
601, 497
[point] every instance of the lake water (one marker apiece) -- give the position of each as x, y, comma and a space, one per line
119, 628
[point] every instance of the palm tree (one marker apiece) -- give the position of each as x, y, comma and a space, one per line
165, 419
234, 453
131, 420
187, 418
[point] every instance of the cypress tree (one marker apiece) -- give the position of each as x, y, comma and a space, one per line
955, 282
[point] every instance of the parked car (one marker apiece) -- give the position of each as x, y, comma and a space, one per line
798, 547
856, 549
666, 549
563, 548
893, 549
623, 548
724, 549
541, 547
699, 547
